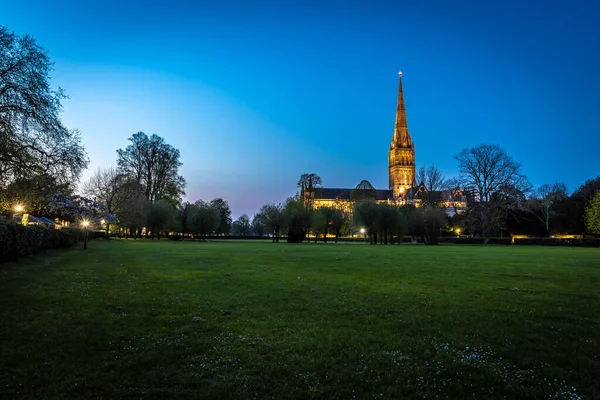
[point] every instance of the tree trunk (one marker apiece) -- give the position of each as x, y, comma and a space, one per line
107, 229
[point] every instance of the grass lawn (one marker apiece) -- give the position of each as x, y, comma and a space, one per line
301, 321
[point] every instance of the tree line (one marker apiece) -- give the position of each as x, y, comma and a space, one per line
41, 162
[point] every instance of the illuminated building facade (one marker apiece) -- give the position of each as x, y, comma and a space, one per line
401, 156
403, 188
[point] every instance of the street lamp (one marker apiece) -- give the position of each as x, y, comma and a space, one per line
19, 209
85, 224
362, 230
457, 232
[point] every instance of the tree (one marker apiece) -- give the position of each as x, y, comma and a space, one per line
366, 214
543, 199
592, 214
75, 208
155, 165
338, 223
224, 215
432, 178
297, 219
159, 216
327, 214
434, 219
241, 226
108, 187
205, 220
186, 210
414, 221
33, 139
258, 227
33, 192
576, 204
133, 209
273, 219
309, 182
489, 170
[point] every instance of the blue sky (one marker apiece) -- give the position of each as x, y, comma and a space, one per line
256, 93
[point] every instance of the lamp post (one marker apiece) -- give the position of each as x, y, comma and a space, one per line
19, 209
85, 226
362, 230
457, 232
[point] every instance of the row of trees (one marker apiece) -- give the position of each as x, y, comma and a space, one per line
41, 161
383, 223
504, 200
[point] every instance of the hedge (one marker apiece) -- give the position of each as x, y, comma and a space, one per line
588, 242
19, 241
474, 240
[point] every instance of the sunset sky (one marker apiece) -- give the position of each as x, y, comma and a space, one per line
256, 93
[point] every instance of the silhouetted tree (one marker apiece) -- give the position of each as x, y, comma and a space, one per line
297, 219
258, 227
592, 214
241, 226
155, 165
224, 215
494, 175
33, 139
205, 219
543, 200
159, 216
273, 219
432, 178
109, 188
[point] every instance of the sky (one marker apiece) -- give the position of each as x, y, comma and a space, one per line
255, 93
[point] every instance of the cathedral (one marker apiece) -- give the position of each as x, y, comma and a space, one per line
403, 187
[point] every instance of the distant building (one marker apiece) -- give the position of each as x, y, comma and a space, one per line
403, 187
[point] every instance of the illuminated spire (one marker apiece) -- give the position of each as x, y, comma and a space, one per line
401, 137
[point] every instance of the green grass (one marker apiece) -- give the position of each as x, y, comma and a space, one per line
301, 321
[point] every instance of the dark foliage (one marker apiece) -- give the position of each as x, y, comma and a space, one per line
19, 241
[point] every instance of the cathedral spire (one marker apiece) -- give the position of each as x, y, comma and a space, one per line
401, 137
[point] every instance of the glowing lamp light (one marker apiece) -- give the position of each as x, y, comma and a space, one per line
18, 208
85, 223
103, 222
362, 230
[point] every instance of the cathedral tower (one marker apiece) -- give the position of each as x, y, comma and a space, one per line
401, 158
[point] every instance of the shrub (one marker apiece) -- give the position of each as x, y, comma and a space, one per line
18, 241
474, 240
588, 242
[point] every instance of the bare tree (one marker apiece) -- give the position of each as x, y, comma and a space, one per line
543, 199
434, 181
490, 171
109, 188
432, 177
